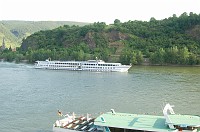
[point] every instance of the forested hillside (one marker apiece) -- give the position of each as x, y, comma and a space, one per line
174, 40
15, 31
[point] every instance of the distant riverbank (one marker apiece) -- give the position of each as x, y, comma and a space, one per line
145, 63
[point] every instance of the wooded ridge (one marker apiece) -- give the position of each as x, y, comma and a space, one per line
174, 40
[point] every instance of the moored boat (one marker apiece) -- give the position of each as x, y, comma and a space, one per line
125, 122
90, 65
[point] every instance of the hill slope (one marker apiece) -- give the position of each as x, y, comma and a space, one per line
15, 31
174, 40
141, 35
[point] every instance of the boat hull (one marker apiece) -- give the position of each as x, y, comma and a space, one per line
58, 129
82, 66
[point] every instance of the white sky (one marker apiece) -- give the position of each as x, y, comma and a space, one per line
94, 10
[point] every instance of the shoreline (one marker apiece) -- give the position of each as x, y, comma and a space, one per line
143, 64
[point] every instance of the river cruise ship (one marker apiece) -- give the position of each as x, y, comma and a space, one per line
125, 122
90, 65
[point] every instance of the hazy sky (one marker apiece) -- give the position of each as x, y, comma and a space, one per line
94, 10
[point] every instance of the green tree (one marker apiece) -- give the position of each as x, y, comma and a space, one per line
133, 59
158, 57
192, 59
125, 57
183, 56
172, 55
139, 57
81, 55
117, 22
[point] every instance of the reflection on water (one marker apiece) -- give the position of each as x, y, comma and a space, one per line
29, 98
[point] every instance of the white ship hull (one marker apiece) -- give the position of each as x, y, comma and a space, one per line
92, 65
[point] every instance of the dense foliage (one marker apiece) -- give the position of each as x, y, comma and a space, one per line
10, 56
175, 40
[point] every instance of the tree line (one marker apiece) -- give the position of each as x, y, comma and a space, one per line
173, 40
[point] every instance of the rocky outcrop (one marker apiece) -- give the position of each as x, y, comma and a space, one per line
89, 38
116, 36
194, 32
112, 37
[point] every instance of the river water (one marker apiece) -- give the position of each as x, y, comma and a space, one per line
30, 98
